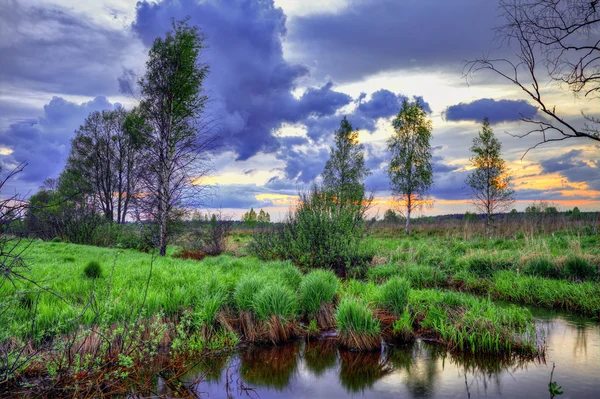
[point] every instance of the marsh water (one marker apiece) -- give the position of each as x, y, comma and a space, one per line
319, 369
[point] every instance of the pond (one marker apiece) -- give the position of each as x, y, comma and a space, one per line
318, 369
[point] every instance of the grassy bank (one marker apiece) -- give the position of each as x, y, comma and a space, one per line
555, 272
219, 300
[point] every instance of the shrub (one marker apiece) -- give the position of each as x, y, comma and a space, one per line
244, 292
357, 327
56, 239
579, 268
211, 239
541, 266
319, 233
93, 270
275, 300
317, 287
394, 295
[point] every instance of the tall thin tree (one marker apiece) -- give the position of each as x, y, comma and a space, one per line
410, 168
489, 180
173, 103
345, 171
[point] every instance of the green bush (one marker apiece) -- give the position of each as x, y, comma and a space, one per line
318, 287
353, 316
394, 295
56, 239
244, 292
541, 266
93, 270
275, 300
579, 268
319, 233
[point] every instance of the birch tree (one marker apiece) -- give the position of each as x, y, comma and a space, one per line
410, 168
179, 143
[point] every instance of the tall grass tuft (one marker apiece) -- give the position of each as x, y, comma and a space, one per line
275, 300
276, 307
317, 287
394, 295
358, 329
541, 266
93, 270
317, 291
579, 268
244, 292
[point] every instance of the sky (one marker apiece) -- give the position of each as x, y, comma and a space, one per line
282, 75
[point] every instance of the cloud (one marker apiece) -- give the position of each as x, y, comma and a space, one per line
44, 142
496, 111
52, 49
372, 36
250, 81
239, 196
572, 167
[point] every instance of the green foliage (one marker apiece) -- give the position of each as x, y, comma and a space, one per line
317, 287
275, 300
391, 217
353, 316
394, 294
56, 239
93, 270
579, 268
410, 168
319, 234
250, 218
172, 102
489, 180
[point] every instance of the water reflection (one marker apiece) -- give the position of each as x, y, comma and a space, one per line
421, 370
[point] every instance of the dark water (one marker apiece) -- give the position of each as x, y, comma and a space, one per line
423, 370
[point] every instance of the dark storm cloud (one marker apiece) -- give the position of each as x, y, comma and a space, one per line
496, 111
45, 142
384, 104
572, 166
48, 48
250, 80
372, 36
239, 196
279, 184
303, 166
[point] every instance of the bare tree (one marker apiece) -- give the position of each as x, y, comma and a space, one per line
105, 152
558, 41
178, 144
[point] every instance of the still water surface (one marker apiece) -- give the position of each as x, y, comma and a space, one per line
422, 370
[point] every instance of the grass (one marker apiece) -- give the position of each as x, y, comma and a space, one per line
275, 300
394, 295
357, 327
318, 287
512, 269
